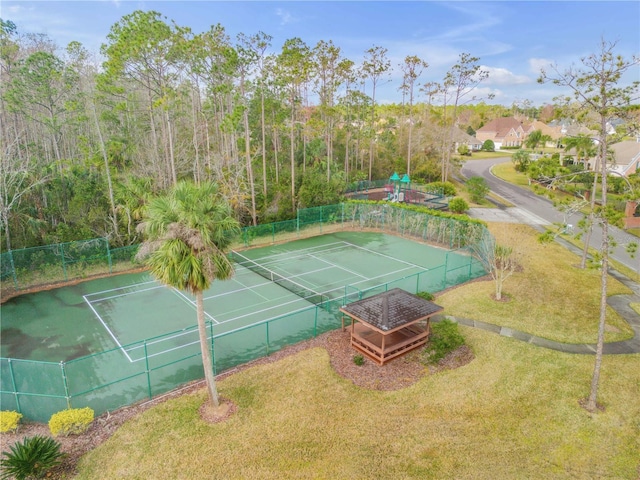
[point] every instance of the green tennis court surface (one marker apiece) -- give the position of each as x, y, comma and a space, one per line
65, 323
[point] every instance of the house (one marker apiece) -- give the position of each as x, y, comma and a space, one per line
626, 157
568, 128
553, 132
463, 138
504, 132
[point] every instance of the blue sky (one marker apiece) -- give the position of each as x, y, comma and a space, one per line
512, 38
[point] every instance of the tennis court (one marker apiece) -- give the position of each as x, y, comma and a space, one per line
131, 336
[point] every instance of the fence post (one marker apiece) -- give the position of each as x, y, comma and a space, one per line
146, 369
13, 269
213, 357
64, 265
66, 385
267, 327
446, 269
450, 233
108, 255
15, 387
315, 323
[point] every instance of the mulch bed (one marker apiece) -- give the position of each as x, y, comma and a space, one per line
397, 374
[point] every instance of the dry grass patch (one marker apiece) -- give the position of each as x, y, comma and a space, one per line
511, 413
550, 297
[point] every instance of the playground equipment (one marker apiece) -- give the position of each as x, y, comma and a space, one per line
399, 190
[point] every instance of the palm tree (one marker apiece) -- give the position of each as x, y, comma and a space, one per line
187, 232
536, 138
584, 146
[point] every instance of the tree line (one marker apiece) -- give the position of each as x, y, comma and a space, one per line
86, 144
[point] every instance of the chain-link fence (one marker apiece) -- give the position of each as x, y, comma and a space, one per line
131, 373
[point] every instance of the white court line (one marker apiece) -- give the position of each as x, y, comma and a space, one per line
243, 327
193, 304
121, 288
298, 299
172, 337
246, 287
302, 250
291, 255
337, 266
389, 257
390, 273
108, 329
128, 293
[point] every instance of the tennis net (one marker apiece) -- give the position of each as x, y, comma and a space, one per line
294, 287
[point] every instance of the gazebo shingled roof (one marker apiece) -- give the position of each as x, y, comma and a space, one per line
389, 324
392, 309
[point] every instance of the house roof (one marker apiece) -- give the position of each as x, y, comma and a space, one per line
501, 127
391, 310
502, 123
554, 132
461, 136
626, 152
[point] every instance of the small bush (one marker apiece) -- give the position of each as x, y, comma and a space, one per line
9, 421
31, 458
445, 338
448, 188
358, 360
477, 188
426, 295
489, 146
72, 421
458, 205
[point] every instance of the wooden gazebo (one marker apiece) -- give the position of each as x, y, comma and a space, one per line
389, 324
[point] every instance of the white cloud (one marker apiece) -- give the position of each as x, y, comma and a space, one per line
502, 76
285, 16
538, 64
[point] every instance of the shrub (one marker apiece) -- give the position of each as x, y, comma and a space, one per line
464, 150
426, 295
448, 188
71, 421
458, 205
477, 188
358, 360
9, 421
31, 458
489, 146
445, 338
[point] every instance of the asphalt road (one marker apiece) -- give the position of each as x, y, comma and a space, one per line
537, 211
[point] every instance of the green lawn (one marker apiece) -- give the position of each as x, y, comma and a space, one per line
550, 297
513, 412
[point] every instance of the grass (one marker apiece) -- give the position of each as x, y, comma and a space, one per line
550, 297
485, 155
634, 231
511, 413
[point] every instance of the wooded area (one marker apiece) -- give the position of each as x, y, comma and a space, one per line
86, 142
